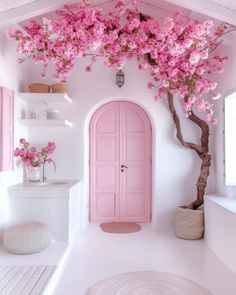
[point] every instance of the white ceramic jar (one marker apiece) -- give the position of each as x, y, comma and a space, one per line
52, 114
34, 114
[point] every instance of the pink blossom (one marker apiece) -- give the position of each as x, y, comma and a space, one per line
150, 85
204, 54
27, 163
220, 70
168, 24
23, 141
200, 71
187, 107
30, 156
157, 97
88, 69
194, 57
22, 151
178, 52
142, 66
214, 121
17, 152
134, 24
134, 3
20, 60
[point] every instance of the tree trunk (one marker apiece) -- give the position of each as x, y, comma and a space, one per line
202, 180
201, 150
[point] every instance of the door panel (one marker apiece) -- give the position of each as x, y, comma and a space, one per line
120, 134
135, 153
133, 121
104, 164
106, 148
134, 177
138, 199
106, 207
106, 122
105, 177
134, 147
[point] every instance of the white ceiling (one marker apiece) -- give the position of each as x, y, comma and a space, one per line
15, 11
230, 4
10, 4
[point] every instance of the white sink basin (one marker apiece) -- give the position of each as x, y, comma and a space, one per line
45, 183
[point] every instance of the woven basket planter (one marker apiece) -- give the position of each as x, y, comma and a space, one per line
39, 88
60, 87
189, 223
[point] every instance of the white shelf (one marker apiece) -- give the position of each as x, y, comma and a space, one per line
45, 98
46, 122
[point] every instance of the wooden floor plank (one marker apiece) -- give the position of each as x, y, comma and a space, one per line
49, 278
4, 272
43, 280
2, 267
33, 280
15, 279
23, 281
8, 277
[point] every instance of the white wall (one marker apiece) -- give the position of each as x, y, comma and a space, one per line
175, 169
12, 76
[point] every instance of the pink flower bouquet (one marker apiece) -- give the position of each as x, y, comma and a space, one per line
31, 157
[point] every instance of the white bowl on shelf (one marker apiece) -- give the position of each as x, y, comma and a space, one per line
52, 114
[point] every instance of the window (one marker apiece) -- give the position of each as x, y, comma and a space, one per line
230, 140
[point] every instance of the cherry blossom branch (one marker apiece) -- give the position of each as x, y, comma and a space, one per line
189, 145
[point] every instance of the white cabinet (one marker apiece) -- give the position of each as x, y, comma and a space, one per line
42, 100
58, 205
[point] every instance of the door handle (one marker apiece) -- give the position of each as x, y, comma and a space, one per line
123, 166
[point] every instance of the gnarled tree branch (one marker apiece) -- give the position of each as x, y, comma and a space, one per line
201, 150
189, 145
204, 128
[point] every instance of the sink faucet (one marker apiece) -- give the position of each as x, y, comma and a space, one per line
44, 178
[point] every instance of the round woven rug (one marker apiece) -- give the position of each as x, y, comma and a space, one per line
147, 283
120, 227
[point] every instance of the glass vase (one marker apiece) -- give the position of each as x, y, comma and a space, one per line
34, 174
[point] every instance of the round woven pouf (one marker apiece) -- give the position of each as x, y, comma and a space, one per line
27, 237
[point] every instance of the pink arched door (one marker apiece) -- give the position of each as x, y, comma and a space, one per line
120, 164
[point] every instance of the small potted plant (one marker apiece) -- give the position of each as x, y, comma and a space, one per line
34, 159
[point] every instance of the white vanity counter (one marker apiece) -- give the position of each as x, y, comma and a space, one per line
57, 188
57, 203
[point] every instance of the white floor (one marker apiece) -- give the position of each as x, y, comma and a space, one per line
96, 255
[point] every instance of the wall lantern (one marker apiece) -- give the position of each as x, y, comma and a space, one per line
120, 78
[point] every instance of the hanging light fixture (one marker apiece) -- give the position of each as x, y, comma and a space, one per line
120, 78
